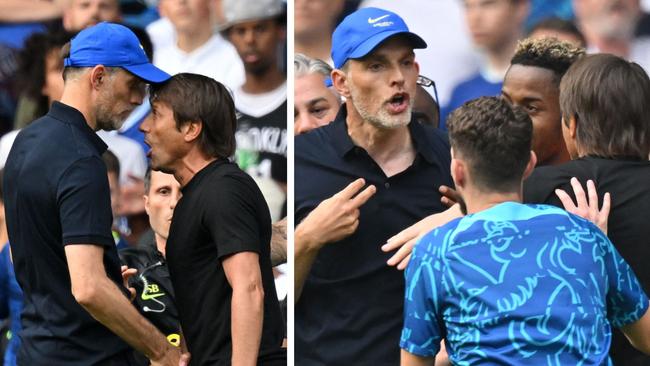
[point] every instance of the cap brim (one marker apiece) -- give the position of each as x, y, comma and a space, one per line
371, 43
148, 73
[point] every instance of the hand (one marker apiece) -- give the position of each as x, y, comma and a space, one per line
131, 201
449, 196
336, 217
405, 240
173, 357
588, 210
126, 274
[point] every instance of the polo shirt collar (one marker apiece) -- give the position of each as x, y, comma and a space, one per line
71, 115
343, 142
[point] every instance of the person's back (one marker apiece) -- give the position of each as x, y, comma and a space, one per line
521, 282
36, 234
608, 142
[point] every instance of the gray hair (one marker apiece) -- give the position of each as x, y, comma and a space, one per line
304, 65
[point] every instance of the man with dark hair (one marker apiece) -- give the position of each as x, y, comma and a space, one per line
346, 310
533, 83
218, 244
77, 311
510, 283
154, 291
604, 102
257, 29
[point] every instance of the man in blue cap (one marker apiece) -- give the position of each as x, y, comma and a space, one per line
349, 307
77, 310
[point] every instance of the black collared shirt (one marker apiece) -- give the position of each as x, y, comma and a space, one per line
56, 194
350, 310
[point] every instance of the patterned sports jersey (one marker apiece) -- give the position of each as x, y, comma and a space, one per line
518, 284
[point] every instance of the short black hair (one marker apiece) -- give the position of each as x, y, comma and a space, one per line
548, 53
494, 138
609, 98
195, 97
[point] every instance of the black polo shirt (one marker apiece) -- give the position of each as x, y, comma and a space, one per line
626, 180
56, 194
222, 212
350, 310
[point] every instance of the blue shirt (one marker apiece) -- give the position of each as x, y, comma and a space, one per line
346, 314
475, 87
518, 284
11, 305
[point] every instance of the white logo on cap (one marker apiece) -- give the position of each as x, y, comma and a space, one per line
372, 21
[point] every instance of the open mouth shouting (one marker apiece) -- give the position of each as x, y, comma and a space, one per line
398, 103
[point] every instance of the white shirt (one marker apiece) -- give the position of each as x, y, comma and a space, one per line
129, 153
217, 58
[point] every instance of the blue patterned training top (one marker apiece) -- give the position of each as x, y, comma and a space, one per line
518, 284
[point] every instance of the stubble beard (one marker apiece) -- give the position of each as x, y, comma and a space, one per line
382, 119
105, 119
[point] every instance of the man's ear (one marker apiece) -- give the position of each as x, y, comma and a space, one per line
191, 130
98, 76
531, 165
340, 82
458, 172
573, 127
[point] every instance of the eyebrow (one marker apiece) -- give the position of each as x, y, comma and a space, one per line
316, 100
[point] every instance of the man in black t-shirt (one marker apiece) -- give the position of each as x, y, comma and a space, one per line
604, 102
77, 311
219, 239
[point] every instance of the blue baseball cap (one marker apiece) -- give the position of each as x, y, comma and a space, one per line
112, 45
360, 32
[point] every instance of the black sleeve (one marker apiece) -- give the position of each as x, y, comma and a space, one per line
84, 204
231, 216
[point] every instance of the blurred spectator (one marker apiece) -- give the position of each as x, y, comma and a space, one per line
609, 26
195, 47
449, 59
495, 25
81, 14
25, 11
11, 296
39, 78
533, 83
257, 29
113, 172
314, 22
543, 9
425, 107
564, 30
315, 104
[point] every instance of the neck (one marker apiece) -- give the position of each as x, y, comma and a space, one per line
161, 244
392, 149
193, 162
618, 47
498, 58
477, 201
263, 83
316, 47
559, 158
188, 41
75, 97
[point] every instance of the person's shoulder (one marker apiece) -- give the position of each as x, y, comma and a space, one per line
432, 241
136, 257
316, 142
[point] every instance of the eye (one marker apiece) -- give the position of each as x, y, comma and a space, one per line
164, 191
375, 67
407, 62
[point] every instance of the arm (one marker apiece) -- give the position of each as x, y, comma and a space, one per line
247, 308
409, 359
96, 293
406, 239
332, 220
279, 242
17, 11
638, 333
